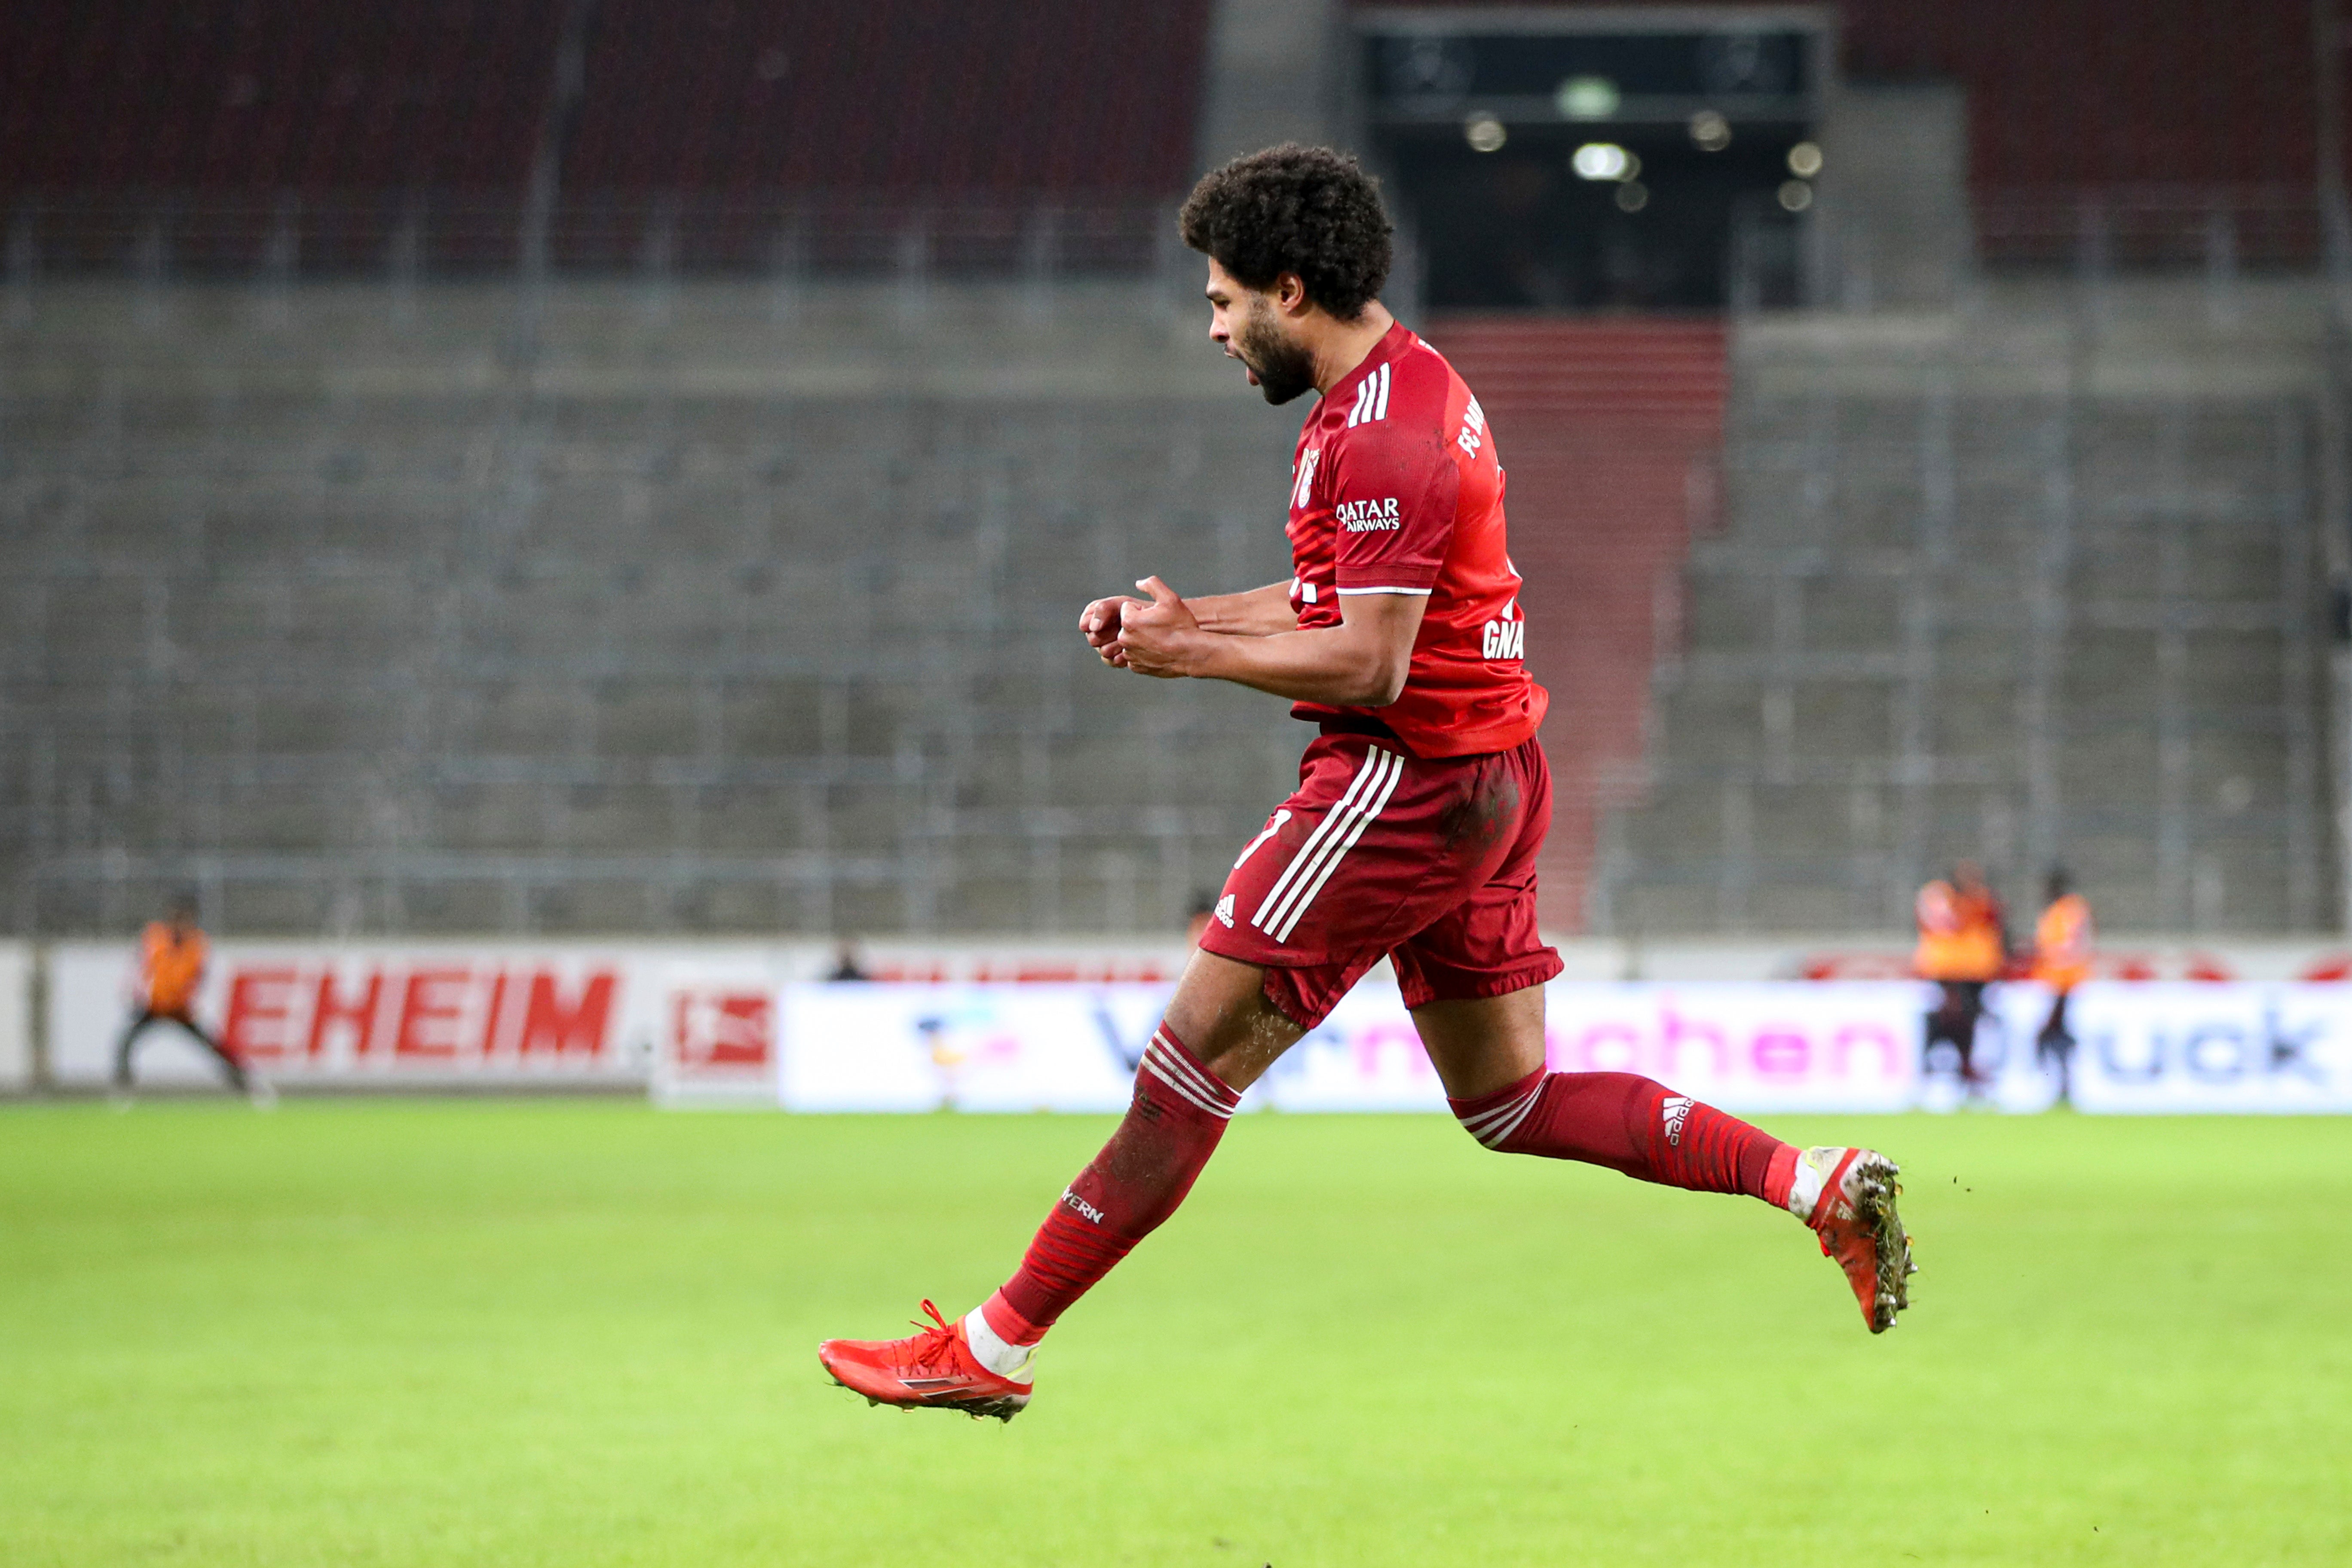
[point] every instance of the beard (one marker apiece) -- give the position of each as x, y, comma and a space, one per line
1283, 367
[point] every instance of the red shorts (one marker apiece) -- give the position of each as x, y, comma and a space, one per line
1430, 864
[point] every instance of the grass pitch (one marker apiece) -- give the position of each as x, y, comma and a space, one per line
366, 1333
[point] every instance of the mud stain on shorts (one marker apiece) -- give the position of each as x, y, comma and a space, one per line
1489, 809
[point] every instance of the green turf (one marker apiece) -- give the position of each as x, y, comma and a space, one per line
578, 1334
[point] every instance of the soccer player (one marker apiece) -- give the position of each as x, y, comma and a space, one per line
172, 956
2062, 960
1413, 835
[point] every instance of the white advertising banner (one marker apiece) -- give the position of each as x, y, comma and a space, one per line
2183, 1047
746, 1024
1756, 1047
971, 1048
15, 1017
1075, 1048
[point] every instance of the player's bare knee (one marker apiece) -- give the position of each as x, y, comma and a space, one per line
1221, 1013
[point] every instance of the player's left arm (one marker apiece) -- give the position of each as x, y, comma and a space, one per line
1392, 488
1360, 663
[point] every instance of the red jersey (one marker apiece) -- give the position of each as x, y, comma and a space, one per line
1396, 489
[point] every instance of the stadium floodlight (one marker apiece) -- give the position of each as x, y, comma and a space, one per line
1796, 196
1710, 132
1485, 133
1587, 97
1805, 160
1602, 161
1633, 195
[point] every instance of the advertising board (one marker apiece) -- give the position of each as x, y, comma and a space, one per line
15, 1017
746, 1024
699, 1019
1075, 1048
2179, 1048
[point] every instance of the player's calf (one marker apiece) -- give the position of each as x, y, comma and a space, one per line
1631, 1125
1637, 1126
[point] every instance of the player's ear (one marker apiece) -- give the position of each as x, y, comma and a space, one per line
1290, 293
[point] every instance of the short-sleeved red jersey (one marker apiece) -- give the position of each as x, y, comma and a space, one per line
1396, 489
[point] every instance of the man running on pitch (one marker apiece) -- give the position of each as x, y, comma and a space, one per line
1415, 826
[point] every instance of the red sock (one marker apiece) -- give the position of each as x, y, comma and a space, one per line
1179, 1113
1635, 1125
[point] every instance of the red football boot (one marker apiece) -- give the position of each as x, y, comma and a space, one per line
934, 1370
1849, 1196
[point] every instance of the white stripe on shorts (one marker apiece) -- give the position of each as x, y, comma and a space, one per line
1365, 815
1323, 829
1338, 833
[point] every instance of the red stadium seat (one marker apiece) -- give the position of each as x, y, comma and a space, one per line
1610, 434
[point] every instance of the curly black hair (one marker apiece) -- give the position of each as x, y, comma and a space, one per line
1308, 210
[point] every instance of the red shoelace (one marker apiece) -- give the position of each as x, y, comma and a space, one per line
935, 1346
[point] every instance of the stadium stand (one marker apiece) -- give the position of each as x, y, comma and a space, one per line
2020, 586
270, 96
716, 98
451, 480
687, 623
217, 138
1610, 434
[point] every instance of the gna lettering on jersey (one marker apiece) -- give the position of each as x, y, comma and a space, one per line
432, 1015
1505, 639
1369, 516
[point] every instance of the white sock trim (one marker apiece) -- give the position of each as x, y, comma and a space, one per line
1805, 1191
993, 1352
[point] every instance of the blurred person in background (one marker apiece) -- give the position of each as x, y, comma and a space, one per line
172, 956
1962, 948
1204, 909
2062, 960
846, 963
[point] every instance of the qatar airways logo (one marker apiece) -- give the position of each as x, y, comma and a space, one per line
1369, 516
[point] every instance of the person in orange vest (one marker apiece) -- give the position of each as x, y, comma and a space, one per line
171, 957
2062, 960
1962, 948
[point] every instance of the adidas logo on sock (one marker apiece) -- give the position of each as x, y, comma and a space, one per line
1676, 1109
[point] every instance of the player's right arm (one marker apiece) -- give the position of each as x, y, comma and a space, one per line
1255, 612
1259, 613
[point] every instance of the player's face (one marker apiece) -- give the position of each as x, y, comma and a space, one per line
1246, 324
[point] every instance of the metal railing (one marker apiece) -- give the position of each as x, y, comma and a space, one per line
162, 235
1855, 258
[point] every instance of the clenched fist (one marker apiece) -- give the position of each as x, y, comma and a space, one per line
1100, 623
1157, 638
